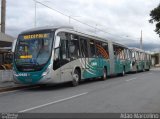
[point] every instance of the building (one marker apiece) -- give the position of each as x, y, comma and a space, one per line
156, 59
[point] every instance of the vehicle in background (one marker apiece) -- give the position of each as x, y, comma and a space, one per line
5, 59
141, 60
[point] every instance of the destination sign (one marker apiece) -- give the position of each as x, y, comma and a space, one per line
26, 57
35, 36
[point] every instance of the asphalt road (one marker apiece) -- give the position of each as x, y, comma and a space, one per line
138, 92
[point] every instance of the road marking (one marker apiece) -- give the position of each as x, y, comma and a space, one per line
54, 102
150, 73
131, 79
18, 90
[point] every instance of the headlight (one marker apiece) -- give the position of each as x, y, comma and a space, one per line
47, 71
15, 74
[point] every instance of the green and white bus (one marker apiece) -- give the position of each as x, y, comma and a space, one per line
141, 60
62, 54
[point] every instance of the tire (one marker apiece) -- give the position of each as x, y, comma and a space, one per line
143, 69
149, 68
123, 72
137, 69
76, 78
104, 77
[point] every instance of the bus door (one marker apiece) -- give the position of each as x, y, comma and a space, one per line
62, 63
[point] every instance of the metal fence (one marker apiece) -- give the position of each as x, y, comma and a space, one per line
6, 75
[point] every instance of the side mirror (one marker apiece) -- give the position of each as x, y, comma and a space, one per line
57, 42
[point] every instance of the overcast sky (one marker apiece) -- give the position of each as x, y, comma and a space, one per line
123, 20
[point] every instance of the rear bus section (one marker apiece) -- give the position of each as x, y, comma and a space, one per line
147, 61
121, 60
140, 60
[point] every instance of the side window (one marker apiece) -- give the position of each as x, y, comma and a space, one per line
130, 54
92, 48
115, 51
119, 52
146, 57
127, 54
133, 54
64, 47
74, 47
136, 55
84, 47
143, 56
105, 50
140, 56
99, 48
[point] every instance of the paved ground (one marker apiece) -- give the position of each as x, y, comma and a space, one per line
133, 93
6, 81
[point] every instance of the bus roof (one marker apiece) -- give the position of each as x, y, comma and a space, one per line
46, 28
140, 50
136, 49
70, 28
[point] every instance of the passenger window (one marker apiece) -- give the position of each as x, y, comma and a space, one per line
74, 47
105, 50
84, 47
92, 48
99, 49
119, 52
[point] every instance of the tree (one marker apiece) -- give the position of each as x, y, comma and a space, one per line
155, 18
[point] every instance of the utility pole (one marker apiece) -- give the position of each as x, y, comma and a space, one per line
3, 15
141, 47
35, 17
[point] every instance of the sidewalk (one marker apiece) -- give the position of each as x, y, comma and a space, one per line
155, 68
6, 82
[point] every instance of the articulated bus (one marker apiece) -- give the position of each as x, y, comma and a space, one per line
141, 60
62, 54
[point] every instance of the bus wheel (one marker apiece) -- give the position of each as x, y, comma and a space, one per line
123, 72
76, 78
143, 69
104, 77
148, 69
137, 69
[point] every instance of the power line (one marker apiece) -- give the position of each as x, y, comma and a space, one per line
79, 20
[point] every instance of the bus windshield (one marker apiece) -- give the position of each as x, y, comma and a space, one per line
33, 51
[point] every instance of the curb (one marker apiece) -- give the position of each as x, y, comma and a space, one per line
5, 89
